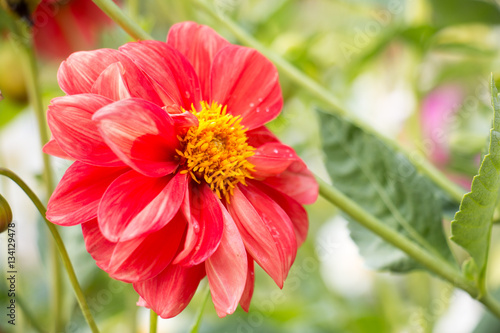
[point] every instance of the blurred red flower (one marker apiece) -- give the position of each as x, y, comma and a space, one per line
61, 27
176, 176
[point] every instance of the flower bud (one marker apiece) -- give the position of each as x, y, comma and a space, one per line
5, 214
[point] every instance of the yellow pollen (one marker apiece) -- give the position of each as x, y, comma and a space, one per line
217, 150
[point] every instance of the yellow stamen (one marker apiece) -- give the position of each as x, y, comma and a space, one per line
217, 150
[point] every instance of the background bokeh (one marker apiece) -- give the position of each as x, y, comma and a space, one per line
416, 70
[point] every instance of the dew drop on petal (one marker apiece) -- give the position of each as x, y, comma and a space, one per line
187, 94
274, 232
267, 109
275, 151
252, 105
260, 99
258, 109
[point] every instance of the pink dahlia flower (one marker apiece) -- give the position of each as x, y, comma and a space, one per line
176, 176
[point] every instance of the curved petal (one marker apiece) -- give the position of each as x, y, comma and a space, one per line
297, 182
271, 159
70, 121
141, 134
227, 268
260, 136
176, 79
124, 79
145, 257
111, 84
205, 225
53, 148
266, 231
171, 291
135, 205
97, 246
142, 302
247, 83
199, 43
293, 209
78, 73
138, 259
77, 196
246, 297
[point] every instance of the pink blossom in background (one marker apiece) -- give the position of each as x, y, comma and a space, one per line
437, 116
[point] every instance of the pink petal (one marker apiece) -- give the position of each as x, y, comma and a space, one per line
138, 259
266, 231
171, 291
53, 148
227, 269
97, 246
78, 73
135, 205
124, 79
245, 81
141, 134
199, 43
259, 136
142, 302
144, 258
77, 195
297, 182
111, 84
176, 78
70, 121
271, 159
293, 209
205, 225
246, 297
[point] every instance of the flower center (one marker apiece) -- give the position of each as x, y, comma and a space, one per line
216, 150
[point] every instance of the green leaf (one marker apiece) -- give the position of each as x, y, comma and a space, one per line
450, 12
471, 227
389, 187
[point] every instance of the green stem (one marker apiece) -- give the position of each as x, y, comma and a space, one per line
323, 94
117, 15
60, 247
431, 262
153, 321
197, 323
35, 97
491, 303
37, 103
